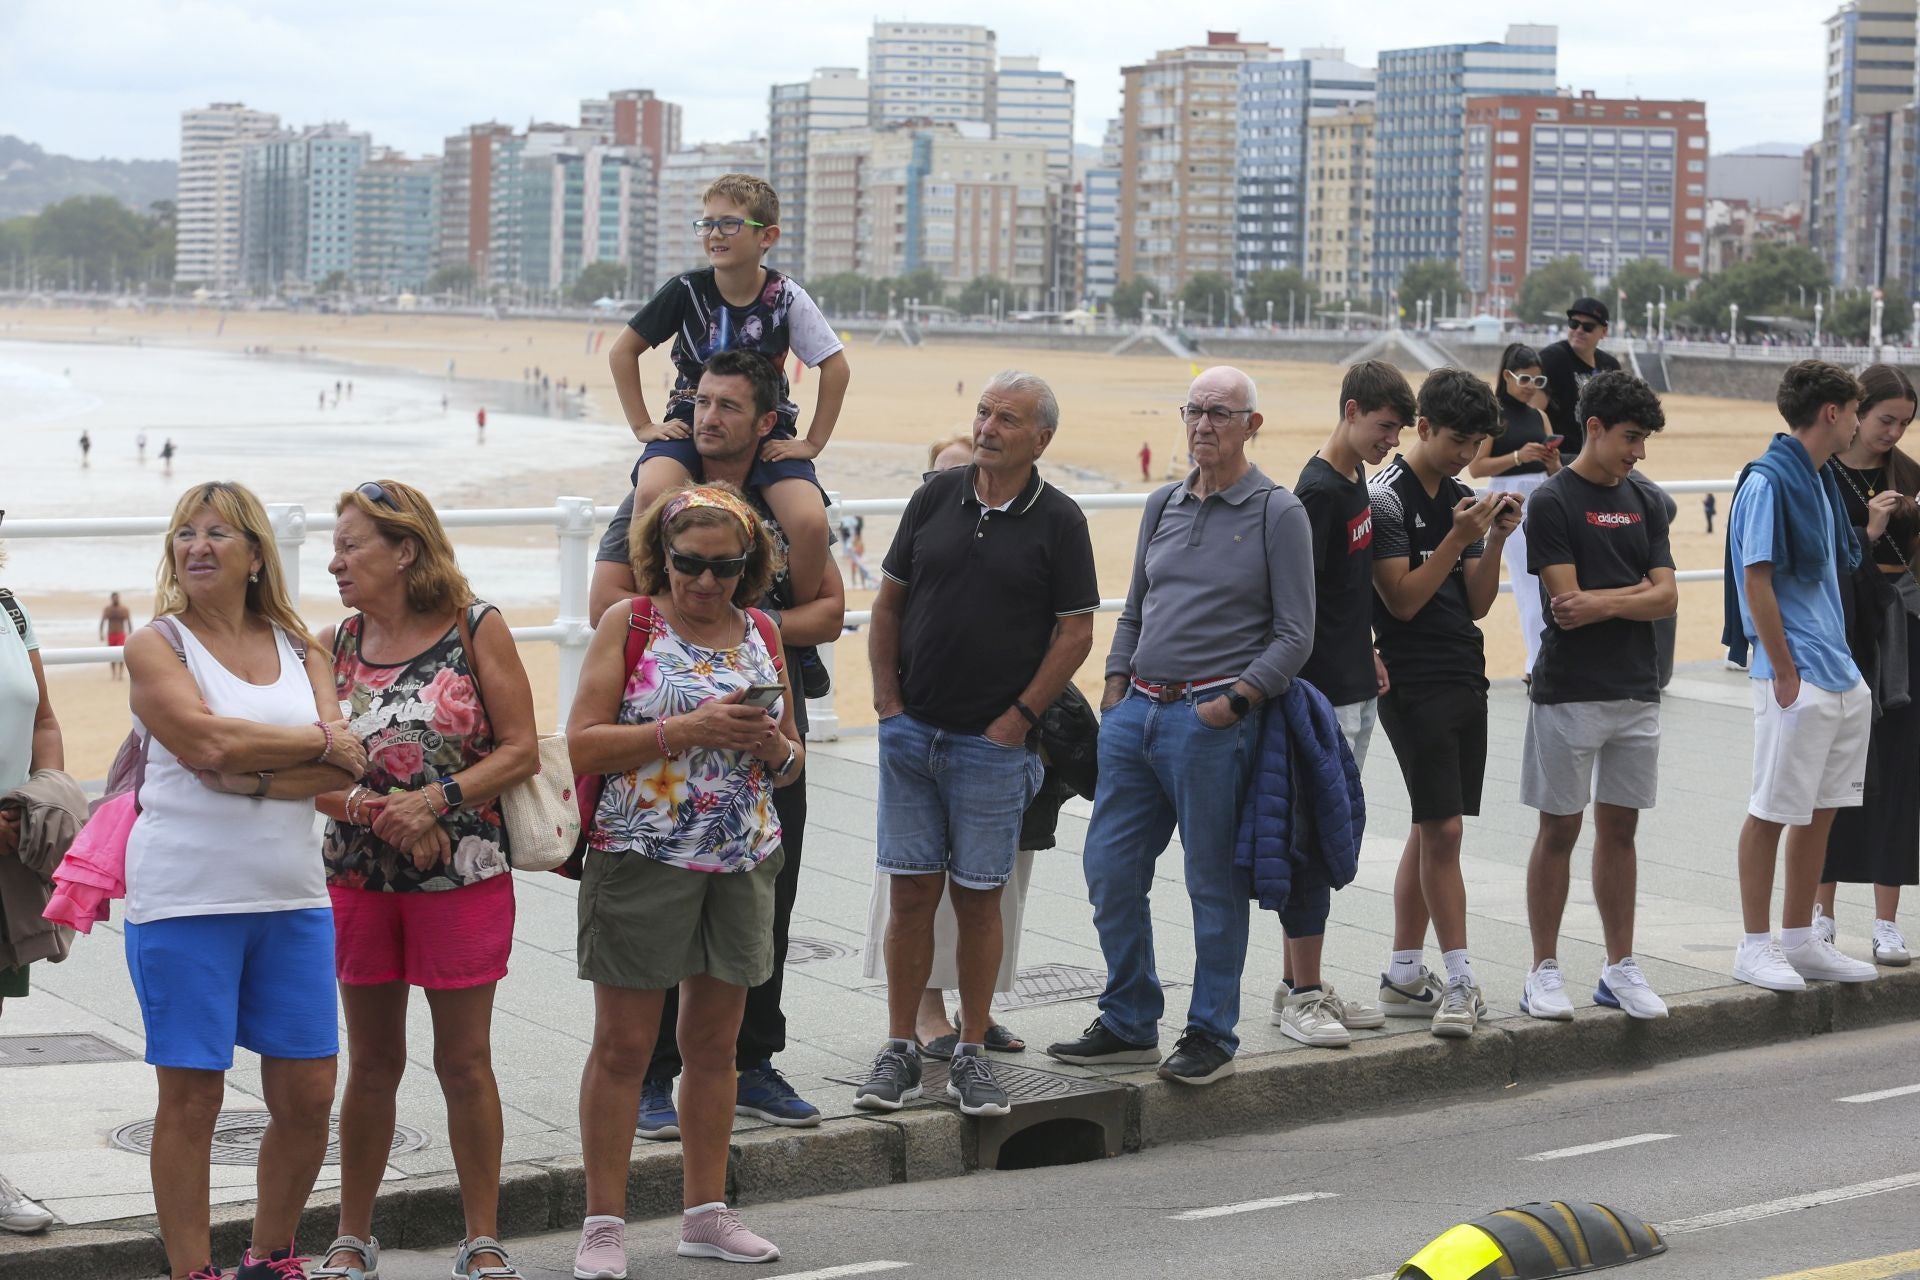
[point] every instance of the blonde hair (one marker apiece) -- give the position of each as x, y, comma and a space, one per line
434, 581
940, 446
647, 543
755, 195
236, 504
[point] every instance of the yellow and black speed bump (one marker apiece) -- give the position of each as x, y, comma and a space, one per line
1535, 1242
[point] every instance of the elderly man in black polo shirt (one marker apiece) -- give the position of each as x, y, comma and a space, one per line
1219, 618
984, 613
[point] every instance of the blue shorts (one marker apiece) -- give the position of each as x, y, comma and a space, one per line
262, 980
764, 472
951, 802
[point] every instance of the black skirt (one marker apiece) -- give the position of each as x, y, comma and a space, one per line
1879, 842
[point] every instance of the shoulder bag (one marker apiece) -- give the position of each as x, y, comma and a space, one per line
542, 822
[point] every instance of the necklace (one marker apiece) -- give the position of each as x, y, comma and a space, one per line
1871, 477
1855, 478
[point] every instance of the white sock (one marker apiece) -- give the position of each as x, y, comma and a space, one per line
1791, 938
705, 1208
1757, 939
1459, 968
604, 1217
1404, 967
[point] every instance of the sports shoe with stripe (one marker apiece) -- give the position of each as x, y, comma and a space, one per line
1889, 945
1460, 1011
970, 1083
1624, 987
1418, 999
1308, 1016
1545, 994
894, 1081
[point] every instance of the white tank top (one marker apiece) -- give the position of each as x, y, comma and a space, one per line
199, 852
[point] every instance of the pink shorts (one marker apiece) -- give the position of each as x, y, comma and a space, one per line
440, 941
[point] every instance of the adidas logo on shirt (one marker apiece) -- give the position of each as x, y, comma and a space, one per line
1418, 523
1613, 519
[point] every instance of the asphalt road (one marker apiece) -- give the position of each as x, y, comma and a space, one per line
1770, 1163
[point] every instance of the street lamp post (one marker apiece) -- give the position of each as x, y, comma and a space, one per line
1819, 313
1733, 332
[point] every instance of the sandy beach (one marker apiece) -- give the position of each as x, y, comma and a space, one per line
900, 399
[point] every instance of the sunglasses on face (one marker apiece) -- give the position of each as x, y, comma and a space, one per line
374, 493
694, 566
1536, 380
725, 226
1585, 326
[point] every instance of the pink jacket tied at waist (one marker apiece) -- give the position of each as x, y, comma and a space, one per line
94, 872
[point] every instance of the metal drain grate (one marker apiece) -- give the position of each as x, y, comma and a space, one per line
237, 1134
64, 1047
1023, 1084
808, 950
1056, 984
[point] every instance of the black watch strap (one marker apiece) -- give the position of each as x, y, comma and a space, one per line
1239, 702
1026, 712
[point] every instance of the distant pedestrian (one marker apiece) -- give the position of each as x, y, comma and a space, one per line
323, 397
1709, 506
480, 418
140, 444
349, 388
960, 387
1146, 461
115, 621
86, 447
443, 404
166, 456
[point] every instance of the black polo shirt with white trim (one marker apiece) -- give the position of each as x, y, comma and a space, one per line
984, 589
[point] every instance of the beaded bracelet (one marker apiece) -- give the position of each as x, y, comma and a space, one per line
326, 733
660, 736
444, 806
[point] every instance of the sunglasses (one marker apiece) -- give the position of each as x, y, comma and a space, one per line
694, 566
1536, 380
373, 492
1584, 326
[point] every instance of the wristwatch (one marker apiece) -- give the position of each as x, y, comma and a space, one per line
451, 790
1239, 703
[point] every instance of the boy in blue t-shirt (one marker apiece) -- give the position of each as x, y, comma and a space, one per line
1786, 538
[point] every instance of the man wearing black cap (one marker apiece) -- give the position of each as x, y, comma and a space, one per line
1569, 363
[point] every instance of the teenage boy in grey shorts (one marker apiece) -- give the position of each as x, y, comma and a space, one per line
1599, 546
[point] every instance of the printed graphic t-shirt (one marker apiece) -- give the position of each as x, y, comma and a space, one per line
1340, 513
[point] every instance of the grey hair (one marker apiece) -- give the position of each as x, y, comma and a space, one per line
1029, 383
1240, 378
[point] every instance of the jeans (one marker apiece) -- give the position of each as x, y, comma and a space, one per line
1160, 766
951, 802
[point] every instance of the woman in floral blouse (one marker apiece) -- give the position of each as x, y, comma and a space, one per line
416, 854
683, 851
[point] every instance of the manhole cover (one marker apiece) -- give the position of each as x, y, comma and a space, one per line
807, 950
1056, 984
237, 1134
1023, 1084
60, 1047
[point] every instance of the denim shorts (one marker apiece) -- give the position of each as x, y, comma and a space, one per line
262, 980
951, 802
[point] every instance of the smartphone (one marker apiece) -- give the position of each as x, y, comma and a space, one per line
763, 696
1555, 440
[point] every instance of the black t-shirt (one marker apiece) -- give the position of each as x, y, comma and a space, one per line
1613, 536
1566, 374
1441, 644
984, 589
1521, 424
1856, 487
1341, 516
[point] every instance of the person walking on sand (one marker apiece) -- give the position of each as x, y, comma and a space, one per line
140, 444
480, 418
166, 456
115, 622
86, 447
1146, 461
1709, 506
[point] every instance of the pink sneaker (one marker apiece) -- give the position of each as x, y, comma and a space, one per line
719, 1233
602, 1254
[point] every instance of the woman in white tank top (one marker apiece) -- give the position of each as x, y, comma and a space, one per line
229, 929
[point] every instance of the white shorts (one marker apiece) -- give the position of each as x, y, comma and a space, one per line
1811, 755
1580, 751
1356, 726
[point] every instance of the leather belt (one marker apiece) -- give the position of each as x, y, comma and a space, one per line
1175, 690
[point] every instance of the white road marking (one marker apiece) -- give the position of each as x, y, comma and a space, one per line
1563, 1152
1790, 1204
850, 1269
1878, 1094
1249, 1206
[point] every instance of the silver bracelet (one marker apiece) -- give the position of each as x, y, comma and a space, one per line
793, 753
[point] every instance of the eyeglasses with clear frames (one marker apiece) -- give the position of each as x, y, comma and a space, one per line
1217, 415
726, 227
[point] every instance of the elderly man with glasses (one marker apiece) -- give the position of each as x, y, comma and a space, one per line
1218, 619
1568, 364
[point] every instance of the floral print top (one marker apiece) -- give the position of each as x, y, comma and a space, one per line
710, 809
421, 719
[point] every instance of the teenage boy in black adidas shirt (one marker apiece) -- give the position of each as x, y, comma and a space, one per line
1598, 543
1376, 405
1436, 570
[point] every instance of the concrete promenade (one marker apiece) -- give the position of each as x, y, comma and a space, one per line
59, 1122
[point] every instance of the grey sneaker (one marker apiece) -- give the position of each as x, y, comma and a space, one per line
1889, 947
1355, 1015
1461, 1009
970, 1082
1308, 1016
363, 1262
1418, 999
895, 1080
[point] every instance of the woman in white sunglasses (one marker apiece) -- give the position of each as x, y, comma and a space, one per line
1519, 460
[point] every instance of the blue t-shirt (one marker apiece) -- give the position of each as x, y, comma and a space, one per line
1810, 611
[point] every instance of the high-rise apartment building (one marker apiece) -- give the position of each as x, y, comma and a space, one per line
684, 178
1099, 230
1869, 79
1177, 124
207, 199
938, 71
396, 222
466, 195
297, 206
1278, 99
564, 198
1037, 105
1606, 180
1418, 122
831, 100
635, 118
1339, 205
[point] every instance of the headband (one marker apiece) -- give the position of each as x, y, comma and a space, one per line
719, 500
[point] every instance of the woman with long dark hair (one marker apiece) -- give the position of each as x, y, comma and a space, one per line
1519, 460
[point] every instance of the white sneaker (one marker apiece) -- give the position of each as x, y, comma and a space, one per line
1818, 959
1825, 927
1461, 1009
1545, 995
1308, 1016
1889, 946
17, 1213
1624, 987
1764, 964
1355, 1015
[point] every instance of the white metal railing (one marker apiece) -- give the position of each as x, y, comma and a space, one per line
574, 521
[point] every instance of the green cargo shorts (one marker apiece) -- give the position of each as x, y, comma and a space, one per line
645, 925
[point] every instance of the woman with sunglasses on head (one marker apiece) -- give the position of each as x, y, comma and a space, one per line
683, 851
1519, 460
416, 852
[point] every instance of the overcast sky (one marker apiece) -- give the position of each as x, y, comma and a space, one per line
110, 77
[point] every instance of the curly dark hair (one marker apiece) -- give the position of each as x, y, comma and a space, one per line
1616, 396
1375, 384
647, 543
1809, 386
756, 369
1456, 400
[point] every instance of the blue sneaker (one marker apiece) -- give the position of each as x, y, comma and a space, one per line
765, 1094
658, 1122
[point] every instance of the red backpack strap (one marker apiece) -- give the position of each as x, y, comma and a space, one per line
764, 625
640, 619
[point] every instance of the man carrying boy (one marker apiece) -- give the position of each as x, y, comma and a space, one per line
1376, 404
737, 303
1811, 709
1436, 570
1599, 547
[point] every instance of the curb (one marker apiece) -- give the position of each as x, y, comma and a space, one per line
1275, 1091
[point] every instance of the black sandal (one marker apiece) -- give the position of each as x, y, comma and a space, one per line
1001, 1040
